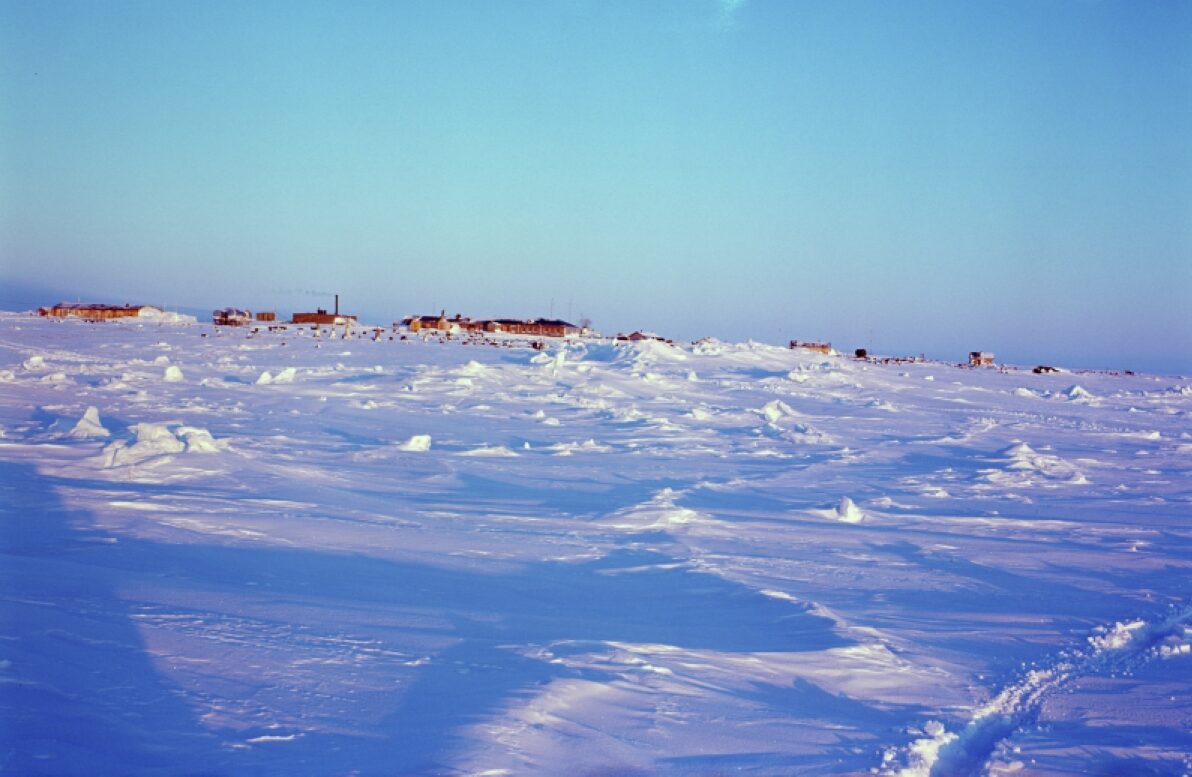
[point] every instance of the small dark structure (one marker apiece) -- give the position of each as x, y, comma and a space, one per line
1042, 368
980, 359
861, 353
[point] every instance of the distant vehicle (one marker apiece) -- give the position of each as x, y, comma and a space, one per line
231, 317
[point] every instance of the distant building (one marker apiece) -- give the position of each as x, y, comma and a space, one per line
638, 336
980, 359
812, 346
321, 316
97, 311
419, 323
266, 315
231, 317
540, 327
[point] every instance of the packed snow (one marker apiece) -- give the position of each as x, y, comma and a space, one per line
220, 556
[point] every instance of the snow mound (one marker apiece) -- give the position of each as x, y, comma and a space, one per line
34, 363
198, 440
709, 346
265, 378
472, 369
1117, 636
418, 443
162, 360
152, 440
166, 317
1077, 393
1025, 467
587, 446
497, 451
285, 376
89, 426
848, 512
157, 440
660, 513
172, 374
776, 410
157, 436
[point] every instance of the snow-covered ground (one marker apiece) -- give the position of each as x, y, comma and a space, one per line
278, 554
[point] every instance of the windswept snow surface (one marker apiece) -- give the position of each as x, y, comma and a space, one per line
614, 559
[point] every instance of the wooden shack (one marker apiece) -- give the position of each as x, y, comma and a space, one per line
980, 358
266, 315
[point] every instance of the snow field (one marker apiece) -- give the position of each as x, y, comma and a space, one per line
612, 557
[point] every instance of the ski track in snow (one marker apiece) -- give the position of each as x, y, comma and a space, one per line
263, 551
1121, 648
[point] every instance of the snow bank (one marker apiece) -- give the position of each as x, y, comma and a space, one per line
154, 440
172, 374
660, 513
1025, 467
285, 376
497, 451
418, 443
587, 446
166, 317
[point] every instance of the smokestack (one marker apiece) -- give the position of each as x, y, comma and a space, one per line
337, 304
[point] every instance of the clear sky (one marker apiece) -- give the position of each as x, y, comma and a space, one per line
915, 177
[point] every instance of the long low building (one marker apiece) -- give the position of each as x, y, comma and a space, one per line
537, 327
321, 316
97, 310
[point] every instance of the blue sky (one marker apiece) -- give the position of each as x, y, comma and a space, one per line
912, 177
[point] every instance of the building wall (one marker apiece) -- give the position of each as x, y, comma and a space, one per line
321, 318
